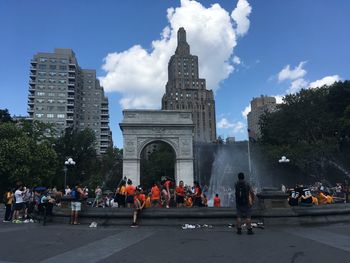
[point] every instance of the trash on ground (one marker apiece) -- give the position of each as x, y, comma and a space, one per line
93, 224
254, 225
196, 226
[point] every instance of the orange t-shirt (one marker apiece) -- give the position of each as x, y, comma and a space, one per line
180, 191
148, 202
217, 202
155, 191
130, 190
140, 197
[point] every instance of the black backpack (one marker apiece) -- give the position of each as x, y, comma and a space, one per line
242, 193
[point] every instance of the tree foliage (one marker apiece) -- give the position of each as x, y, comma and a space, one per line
310, 127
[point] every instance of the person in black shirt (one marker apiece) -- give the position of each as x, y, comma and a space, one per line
306, 197
244, 201
293, 199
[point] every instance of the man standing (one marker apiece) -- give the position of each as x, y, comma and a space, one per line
77, 195
8, 203
180, 194
244, 202
18, 204
155, 195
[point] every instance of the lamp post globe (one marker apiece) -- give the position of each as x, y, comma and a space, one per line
67, 163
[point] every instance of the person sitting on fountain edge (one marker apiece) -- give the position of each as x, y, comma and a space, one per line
139, 204
244, 203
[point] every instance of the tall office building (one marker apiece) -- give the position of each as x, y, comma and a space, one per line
186, 91
258, 107
62, 93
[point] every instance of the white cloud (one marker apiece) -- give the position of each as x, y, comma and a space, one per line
328, 80
236, 60
140, 75
292, 74
235, 127
240, 16
246, 111
297, 85
279, 99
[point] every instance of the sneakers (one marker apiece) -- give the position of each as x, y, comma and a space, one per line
239, 231
6, 221
16, 221
133, 225
250, 231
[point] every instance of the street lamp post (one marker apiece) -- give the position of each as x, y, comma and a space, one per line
283, 160
68, 162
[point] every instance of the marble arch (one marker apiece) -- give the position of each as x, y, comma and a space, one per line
141, 127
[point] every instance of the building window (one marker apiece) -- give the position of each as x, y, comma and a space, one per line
62, 81
42, 66
52, 60
51, 94
39, 101
62, 74
50, 101
63, 61
40, 93
63, 67
42, 59
61, 116
41, 80
50, 115
52, 81
53, 67
41, 73
39, 115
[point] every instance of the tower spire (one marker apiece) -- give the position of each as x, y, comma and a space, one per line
183, 47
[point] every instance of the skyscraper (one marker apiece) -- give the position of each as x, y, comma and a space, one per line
186, 91
258, 106
62, 93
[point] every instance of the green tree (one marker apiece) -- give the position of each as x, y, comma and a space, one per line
22, 158
310, 127
79, 145
5, 116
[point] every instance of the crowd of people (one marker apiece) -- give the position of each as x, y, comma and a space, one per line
317, 194
22, 204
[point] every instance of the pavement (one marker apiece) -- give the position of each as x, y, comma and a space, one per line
33, 242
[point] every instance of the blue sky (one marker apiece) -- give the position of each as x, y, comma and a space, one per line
312, 37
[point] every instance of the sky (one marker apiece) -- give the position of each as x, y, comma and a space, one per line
246, 48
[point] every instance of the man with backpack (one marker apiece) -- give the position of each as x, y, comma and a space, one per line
77, 196
244, 203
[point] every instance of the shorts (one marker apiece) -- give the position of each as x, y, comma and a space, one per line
18, 206
130, 199
180, 199
155, 202
76, 206
244, 211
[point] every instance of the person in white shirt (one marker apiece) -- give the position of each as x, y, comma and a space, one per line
18, 206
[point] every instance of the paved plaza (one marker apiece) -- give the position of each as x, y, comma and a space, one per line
65, 243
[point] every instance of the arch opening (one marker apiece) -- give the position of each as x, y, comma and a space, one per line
157, 159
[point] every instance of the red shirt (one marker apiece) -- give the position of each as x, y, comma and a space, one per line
140, 197
155, 193
198, 192
180, 191
130, 190
217, 202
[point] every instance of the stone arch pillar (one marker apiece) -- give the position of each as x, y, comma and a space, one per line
141, 127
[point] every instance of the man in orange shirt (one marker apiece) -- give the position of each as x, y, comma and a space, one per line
217, 201
180, 194
130, 192
139, 204
155, 195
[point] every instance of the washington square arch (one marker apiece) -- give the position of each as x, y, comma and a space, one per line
143, 127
